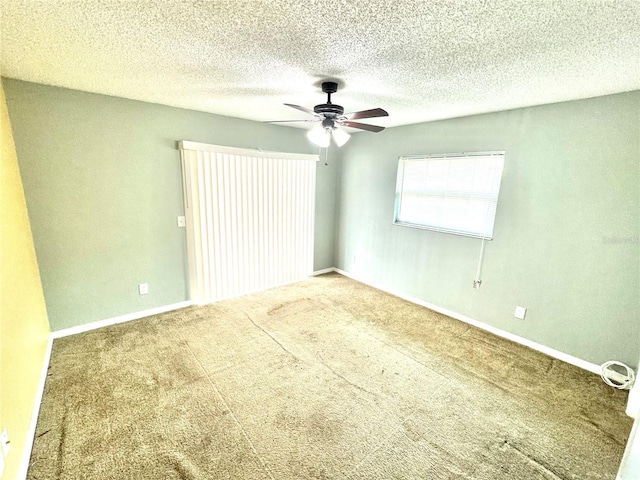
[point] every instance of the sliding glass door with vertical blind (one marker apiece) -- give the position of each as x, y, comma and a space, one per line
250, 219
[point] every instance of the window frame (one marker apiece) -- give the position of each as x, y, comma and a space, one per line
443, 156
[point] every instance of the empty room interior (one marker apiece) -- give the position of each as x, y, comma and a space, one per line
278, 239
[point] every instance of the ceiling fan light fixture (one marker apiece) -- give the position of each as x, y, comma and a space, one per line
340, 136
320, 136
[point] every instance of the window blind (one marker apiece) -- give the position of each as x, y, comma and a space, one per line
250, 219
456, 193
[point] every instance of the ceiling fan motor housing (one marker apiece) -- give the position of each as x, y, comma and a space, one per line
330, 109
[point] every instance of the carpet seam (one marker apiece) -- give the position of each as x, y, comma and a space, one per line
228, 407
385, 441
353, 384
534, 462
272, 337
405, 354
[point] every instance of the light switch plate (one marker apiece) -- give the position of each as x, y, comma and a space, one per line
520, 313
143, 288
182, 222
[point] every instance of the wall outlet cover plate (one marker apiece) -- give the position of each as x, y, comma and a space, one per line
520, 313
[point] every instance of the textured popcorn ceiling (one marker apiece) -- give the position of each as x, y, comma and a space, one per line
420, 60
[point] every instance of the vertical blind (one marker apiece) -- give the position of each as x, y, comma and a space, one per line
455, 193
250, 219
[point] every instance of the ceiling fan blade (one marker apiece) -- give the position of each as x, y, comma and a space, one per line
291, 121
362, 126
302, 109
374, 112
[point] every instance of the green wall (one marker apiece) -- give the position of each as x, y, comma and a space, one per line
103, 186
566, 239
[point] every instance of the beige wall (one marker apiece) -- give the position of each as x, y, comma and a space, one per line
24, 328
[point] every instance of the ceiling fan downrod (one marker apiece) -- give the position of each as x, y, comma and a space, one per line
329, 109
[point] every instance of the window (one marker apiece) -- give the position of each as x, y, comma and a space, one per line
453, 193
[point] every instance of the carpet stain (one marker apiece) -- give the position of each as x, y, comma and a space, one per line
183, 467
296, 306
62, 443
322, 428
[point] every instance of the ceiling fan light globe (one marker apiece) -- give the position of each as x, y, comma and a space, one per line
320, 136
340, 137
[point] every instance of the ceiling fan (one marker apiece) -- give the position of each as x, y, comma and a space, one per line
332, 116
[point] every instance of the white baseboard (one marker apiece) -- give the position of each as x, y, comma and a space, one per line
630, 464
121, 319
323, 271
28, 444
578, 362
633, 405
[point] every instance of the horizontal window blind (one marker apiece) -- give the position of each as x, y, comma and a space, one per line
449, 193
250, 219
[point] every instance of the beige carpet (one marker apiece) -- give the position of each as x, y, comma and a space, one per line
324, 379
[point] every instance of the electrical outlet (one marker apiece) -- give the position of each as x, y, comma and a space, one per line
143, 288
520, 313
5, 442
182, 222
